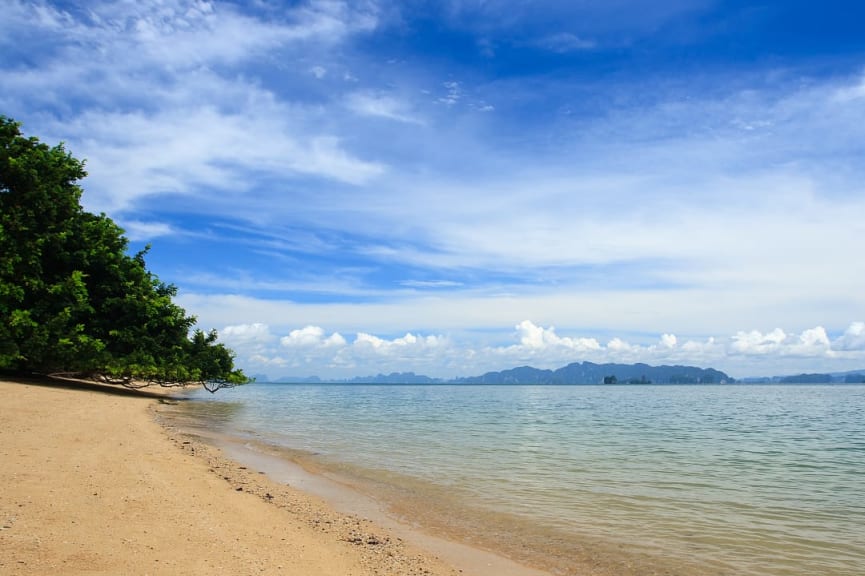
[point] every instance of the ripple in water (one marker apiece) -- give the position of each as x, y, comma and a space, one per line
673, 479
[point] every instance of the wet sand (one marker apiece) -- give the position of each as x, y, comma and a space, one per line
91, 484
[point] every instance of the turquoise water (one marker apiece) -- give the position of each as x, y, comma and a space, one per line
690, 479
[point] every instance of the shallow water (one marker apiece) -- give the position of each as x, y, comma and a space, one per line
637, 479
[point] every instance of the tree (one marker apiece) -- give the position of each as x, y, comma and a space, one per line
72, 300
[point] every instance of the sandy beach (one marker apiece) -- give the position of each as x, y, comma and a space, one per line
93, 485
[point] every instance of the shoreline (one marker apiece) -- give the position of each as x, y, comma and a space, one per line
472, 539
252, 465
108, 483
262, 470
94, 483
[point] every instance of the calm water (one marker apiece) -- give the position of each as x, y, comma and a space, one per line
709, 479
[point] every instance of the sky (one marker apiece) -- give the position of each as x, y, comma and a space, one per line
448, 188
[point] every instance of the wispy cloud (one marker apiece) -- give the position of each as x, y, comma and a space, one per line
453, 170
165, 109
431, 283
139, 230
188, 150
380, 105
453, 93
564, 42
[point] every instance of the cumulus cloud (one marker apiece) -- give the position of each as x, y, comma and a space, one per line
546, 348
253, 344
263, 362
617, 345
328, 354
696, 349
240, 334
853, 338
810, 342
756, 342
401, 344
631, 220
312, 336
536, 337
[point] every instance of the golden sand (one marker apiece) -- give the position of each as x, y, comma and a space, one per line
91, 484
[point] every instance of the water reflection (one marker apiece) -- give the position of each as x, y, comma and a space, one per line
196, 414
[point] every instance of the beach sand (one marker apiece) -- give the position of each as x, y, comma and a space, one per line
91, 484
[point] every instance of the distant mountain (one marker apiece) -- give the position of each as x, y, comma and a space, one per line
850, 377
297, 380
590, 373
576, 373
854, 377
395, 378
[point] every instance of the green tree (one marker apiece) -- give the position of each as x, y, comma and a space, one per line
72, 299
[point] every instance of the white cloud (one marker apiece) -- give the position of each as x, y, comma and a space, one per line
678, 210
453, 94
813, 342
182, 151
536, 337
172, 36
755, 342
138, 230
254, 346
246, 333
399, 345
380, 105
431, 283
164, 110
853, 338
312, 336
668, 340
262, 362
313, 350
618, 345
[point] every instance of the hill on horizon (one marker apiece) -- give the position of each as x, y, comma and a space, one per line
574, 373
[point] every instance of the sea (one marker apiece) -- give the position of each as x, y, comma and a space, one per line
631, 479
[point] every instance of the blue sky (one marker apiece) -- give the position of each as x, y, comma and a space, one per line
348, 188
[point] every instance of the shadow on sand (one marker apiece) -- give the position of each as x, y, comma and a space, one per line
162, 394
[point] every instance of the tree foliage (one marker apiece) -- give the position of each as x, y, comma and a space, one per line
72, 300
